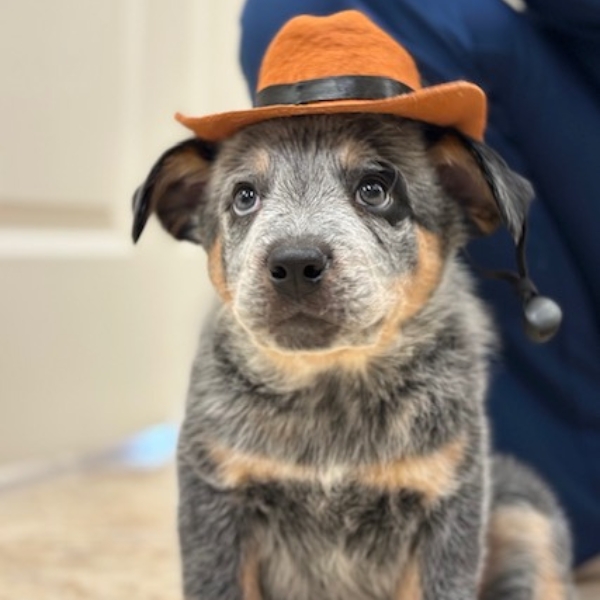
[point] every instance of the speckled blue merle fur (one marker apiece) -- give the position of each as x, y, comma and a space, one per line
335, 443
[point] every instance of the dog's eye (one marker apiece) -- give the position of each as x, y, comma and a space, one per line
245, 200
373, 192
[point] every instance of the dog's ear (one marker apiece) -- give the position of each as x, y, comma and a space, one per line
175, 190
489, 191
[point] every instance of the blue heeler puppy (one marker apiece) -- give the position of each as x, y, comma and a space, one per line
335, 442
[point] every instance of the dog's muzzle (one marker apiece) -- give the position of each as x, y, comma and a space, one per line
297, 270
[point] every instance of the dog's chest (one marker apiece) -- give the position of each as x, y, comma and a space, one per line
329, 539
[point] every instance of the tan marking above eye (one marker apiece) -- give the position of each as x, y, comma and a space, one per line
261, 161
351, 155
434, 475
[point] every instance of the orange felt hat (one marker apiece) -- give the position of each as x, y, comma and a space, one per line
344, 63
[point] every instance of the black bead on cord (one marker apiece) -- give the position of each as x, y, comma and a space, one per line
542, 316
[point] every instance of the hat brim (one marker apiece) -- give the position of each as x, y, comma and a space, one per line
459, 104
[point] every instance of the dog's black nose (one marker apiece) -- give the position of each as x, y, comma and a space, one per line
297, 270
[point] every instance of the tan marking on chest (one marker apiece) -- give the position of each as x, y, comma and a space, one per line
514, 530
250, 577
409, 587
433, 475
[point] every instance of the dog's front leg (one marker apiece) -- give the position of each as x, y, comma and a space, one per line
447, 563
211, 542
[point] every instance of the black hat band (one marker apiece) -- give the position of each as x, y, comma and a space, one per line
343, 87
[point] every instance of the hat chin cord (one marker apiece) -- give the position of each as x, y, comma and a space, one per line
542, 316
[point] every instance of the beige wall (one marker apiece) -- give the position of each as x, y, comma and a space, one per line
96, 335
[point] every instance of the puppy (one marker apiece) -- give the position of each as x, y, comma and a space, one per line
335, 443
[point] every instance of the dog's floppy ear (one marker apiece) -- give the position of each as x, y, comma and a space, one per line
490, 192
476, 177
175, 190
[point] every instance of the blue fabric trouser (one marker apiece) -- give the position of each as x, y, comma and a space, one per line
541, 71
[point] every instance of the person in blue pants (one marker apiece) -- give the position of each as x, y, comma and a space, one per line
541, 70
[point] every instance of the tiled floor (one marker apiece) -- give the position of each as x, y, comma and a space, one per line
101, 535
